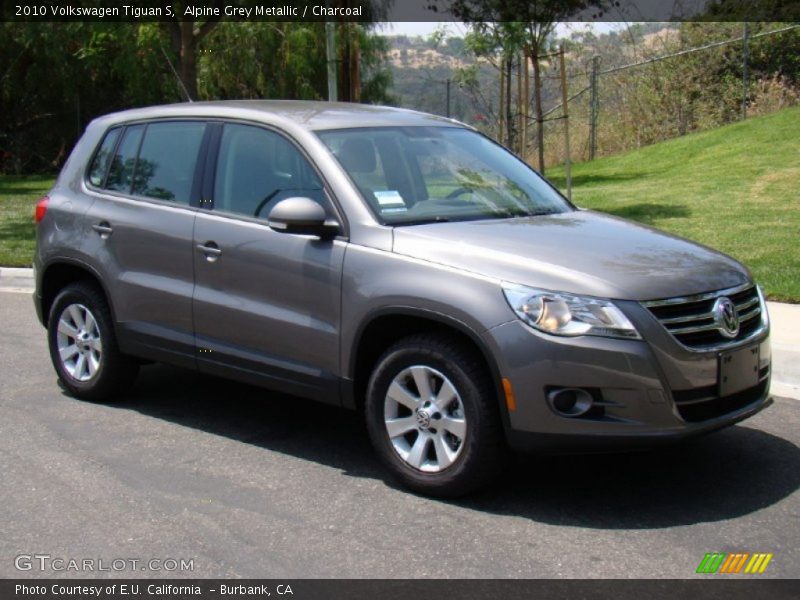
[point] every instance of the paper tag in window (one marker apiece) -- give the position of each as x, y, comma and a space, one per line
389, 198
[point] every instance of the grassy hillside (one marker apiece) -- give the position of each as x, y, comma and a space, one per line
736, 188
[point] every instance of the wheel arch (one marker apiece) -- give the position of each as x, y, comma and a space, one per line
385, 326
58, 274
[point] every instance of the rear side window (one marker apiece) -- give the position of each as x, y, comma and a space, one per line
97, 172
167, 159
120, 175
156, 160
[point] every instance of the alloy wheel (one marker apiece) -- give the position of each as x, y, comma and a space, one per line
79, 345
425, 418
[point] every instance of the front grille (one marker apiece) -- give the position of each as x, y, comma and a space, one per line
701, 404
691, 322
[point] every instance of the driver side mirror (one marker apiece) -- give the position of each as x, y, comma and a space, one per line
301, 215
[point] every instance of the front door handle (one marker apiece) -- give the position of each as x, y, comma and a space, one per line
104, 229
211, 250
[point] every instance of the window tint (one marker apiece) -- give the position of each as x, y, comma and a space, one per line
257, 168
120, 174
97, 172
165, 168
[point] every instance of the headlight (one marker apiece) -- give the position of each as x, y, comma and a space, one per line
566, 314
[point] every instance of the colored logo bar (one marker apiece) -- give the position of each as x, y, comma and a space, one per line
736, 562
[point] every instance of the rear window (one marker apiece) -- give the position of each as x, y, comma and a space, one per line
156, 160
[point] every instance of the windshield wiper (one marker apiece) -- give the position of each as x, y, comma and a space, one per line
516, 215
423, 221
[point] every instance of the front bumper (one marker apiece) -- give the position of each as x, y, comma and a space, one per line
640, 384
611, 441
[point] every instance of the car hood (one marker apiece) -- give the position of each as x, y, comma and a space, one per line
581, 252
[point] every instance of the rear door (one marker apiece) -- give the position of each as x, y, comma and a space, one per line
267, 305
142, 222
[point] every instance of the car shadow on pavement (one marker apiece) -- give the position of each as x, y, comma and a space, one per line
277, 422
728, 474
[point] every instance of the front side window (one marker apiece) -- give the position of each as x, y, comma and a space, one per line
257, 168
411, 175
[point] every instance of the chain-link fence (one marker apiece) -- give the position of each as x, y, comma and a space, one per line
665, 84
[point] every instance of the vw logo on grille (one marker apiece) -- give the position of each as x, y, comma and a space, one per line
725, 317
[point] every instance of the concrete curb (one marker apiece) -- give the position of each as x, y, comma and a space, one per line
19, 272
785, 338
13, 279
785, 332
784, 390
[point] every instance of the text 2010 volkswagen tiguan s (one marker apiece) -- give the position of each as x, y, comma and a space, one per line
393, 262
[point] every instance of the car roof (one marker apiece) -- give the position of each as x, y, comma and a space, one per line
309, 115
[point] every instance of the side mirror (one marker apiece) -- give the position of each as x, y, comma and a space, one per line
303, 216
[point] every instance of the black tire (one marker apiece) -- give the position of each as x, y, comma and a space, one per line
116, 372
484, 451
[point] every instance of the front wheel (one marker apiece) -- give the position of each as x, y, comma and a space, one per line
432, 416
83, 345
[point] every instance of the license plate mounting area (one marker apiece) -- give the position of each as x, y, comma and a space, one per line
738, 370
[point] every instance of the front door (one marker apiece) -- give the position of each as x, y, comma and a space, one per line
266, 305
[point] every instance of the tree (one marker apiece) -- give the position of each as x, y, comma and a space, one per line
185, 37
298, 44
498, 43
376, 78
55, 78
752, 10
285, 60
536, 20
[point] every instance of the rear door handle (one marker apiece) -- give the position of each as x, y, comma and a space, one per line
211, 250
104, 229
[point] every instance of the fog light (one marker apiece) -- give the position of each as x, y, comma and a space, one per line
570, 402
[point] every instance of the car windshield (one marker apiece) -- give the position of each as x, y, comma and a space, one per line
412, 175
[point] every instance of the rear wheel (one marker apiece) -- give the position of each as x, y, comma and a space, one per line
83, 346
432, 416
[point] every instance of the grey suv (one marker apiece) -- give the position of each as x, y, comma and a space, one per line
392, 262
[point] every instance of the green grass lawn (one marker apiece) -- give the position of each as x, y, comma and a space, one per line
736, 189
18, 196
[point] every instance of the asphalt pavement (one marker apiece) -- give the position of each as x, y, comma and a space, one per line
243, 482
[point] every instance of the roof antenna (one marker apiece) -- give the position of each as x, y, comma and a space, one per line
174, 72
